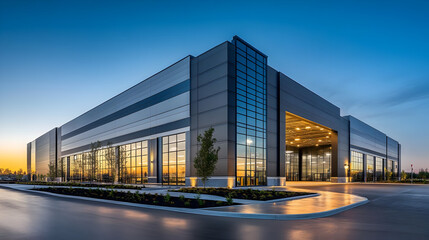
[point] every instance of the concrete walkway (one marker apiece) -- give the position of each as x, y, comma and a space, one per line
321, 205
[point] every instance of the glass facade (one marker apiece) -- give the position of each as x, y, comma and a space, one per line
292, 165
251, 115
132, 166
174, 159
316, 164
369, 168
378, 169
356, 168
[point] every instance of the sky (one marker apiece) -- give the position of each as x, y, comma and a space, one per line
59, 59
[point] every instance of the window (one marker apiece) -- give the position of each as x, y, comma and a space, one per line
174, 159
251, 116
356, 168
378, 169
369, 168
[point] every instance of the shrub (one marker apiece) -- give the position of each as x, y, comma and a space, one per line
167, 198
229, 199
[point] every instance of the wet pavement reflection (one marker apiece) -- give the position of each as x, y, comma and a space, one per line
324, 202
394, 212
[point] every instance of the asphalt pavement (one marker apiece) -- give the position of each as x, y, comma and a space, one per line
394, 212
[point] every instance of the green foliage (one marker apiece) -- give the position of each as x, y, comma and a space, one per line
73, 184
242, 193
229, 199
389, 175
403, 175
167, 198
136, 197
52, 174
207, 156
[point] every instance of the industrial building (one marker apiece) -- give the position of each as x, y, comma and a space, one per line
270, 130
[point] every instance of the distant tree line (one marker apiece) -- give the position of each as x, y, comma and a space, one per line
15, 175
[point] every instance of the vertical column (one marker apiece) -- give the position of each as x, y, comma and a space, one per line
365, 167
153, 160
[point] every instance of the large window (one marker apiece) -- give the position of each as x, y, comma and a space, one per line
356, 168
174, 159
251, 115
316, 163
292, 165
131, 168
379, 169
369, 168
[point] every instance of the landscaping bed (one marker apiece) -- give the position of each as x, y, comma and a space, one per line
72, 184
143, 198
249, 194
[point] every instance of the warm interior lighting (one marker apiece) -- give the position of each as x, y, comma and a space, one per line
305, 132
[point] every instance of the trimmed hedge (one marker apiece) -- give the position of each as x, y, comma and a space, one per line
73, 184
143, 198
246, 193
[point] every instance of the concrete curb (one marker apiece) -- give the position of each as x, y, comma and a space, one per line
209, 212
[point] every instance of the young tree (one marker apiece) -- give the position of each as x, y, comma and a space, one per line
389, 175
122, 164
52, 174
403, 175
1, 171
110, 157
207, 156
93, 160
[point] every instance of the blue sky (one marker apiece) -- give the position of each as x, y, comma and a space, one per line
61, 58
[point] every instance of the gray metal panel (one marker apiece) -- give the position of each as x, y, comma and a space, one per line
273, 161
365, 137
168, 111
29, 158
392, 149
211, 105
167, 78
45, 151
151, 115
296, 99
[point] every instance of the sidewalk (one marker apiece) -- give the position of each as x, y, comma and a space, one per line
321, 205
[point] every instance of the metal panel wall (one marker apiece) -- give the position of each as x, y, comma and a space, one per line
152, 105
45, 152
213, 105
365, 138
298, 100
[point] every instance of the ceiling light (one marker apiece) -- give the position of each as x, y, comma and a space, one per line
308, 127
329, 133
298, 145
321, 129
320, 140
298, 128
249, 141
327, 136
317, 145
297, 139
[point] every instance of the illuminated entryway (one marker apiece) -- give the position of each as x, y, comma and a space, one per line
308, 150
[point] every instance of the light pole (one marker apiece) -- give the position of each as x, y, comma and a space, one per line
346, 167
